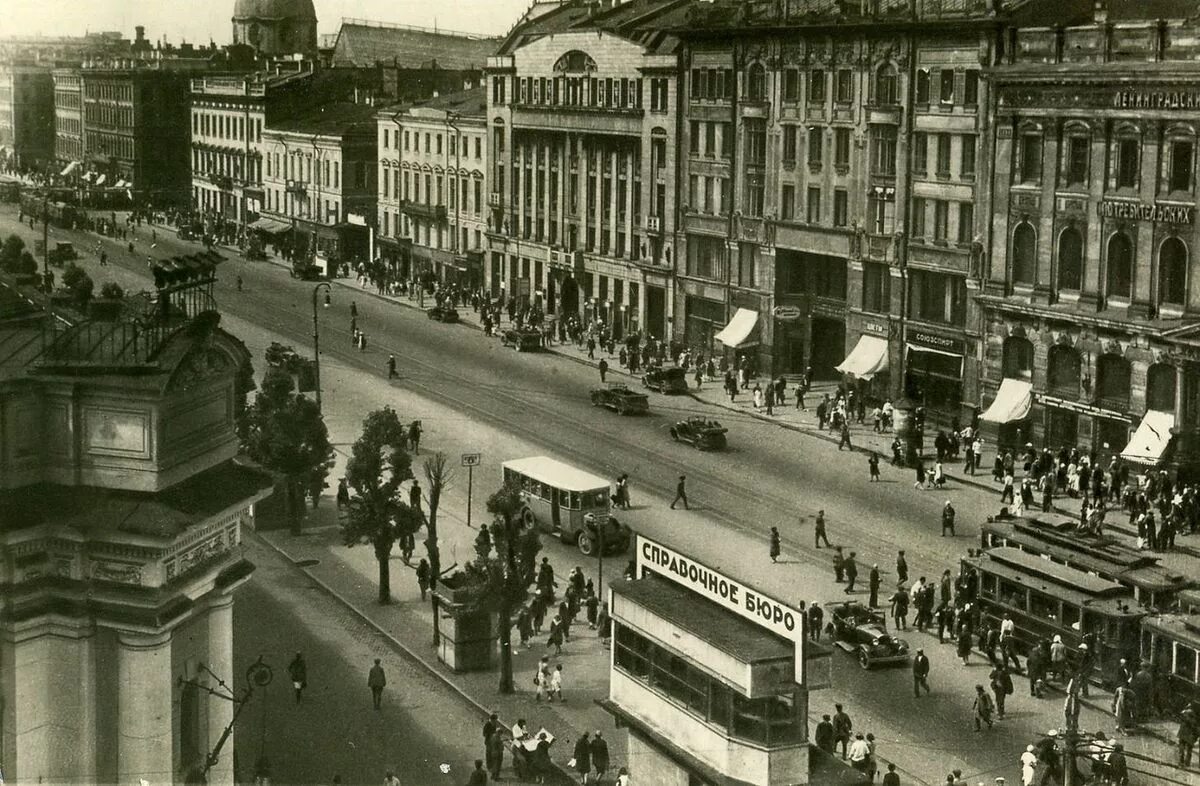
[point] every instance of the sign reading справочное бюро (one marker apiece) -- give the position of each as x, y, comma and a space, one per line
779, 618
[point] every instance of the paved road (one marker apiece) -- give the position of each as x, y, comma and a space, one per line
334, 730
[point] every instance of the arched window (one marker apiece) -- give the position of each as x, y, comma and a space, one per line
1160, 387
1024, 254
1070, 259
1018, 358
1062, 377
1172, 271
1120, 266
575, 62
757, 87
1112, 382
886, 92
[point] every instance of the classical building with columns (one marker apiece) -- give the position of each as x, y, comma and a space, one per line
123, 510
432, 197
582, 109
1090, 303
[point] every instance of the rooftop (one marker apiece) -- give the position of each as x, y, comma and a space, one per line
330, 120
365, 43
468, 103
647, 22
164, 514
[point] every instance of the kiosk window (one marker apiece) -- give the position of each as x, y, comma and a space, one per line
632, 653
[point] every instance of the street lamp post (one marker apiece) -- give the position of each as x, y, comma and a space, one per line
317, 337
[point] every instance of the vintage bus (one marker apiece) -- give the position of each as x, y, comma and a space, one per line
1046, 599
1154, 586
567, 502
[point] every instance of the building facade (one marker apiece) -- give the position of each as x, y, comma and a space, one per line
1090, 301
831, 177
228, 114
26, 115
68, 116
276, 27
123, 512
432, 194
319, 180
582, 161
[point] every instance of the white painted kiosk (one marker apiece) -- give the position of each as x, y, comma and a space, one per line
709, 676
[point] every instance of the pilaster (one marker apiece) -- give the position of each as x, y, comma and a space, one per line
145, 712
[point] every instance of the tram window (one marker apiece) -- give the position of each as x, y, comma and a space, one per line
1070, 615
1090, 624
1185, 662
1012, 594
987, 586
1044, 607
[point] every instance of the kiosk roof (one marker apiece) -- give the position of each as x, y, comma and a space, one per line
719, 627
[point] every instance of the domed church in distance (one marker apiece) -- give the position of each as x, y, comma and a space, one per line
276, 27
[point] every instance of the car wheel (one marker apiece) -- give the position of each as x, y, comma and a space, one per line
622, 411
587, 546
595, 400
527, 518
864, 662
674, 434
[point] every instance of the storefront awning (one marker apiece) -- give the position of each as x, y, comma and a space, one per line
1149, 442
737, 332
270, 226
1013, 401
868, 358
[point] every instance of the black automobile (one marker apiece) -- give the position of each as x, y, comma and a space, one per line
522, 340
621, 400
701, 432
666, 380
863, 633
442, 314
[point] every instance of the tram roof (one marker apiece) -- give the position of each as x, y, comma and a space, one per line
1177, 627
1050, 578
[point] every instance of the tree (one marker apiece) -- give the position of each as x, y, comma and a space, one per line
10, 253
501, 581
438, 476
378, 465
286, 433
76, 281
112, 291
26, 265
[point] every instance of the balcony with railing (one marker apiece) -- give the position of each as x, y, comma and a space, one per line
422, 210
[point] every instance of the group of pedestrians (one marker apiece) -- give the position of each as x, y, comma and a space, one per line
857, 748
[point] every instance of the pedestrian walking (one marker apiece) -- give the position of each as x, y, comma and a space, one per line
823, 736
391, 367
599, 753
423, 576
556, 684
581, 758
839, 565
842, 726
964, 643
479, 776
541, 678
298, 673
819, 534
1002, 688
815, 617
901, 567
1189, 730
1029, 762
362, 341
859, 753
555, 638
343, 494
983, 708
873, 467
414, 436
681, 493
1122, 708
947, 519
899, 607
353, 309
603, 368
774, 544
891, 777
851, 568
845, 436
377, 681
920, 672
873, 582
390, 779
919, 483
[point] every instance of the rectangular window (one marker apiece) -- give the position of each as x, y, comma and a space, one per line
946, 90
747, 260
815, 138
971, 87
788, 203
756, 142
1078, 157
813, 208
841, 207
1181, 166
845, 86
968, 156
694, 137
883, 150
1031, 158
1127, 163
920, 152
791, 85
789, 144
841, 147
941, 220
755, 195
710, 140
943, 155
877, 288
923, 86
918, 217
816, 86
726, 140
966, 222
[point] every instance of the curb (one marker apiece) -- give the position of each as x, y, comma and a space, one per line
396, 644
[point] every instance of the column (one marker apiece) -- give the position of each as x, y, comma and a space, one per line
548, 149
220, 661
629, 214
641, 307
1093, 241
564, 199
519, 179
145, 722
1179, 393
612, 203
1144, 269
598, 196
1043, 284
997, 273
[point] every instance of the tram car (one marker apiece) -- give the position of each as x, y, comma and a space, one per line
1058, 539
1171, 644
1047, 599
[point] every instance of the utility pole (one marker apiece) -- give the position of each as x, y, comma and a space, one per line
317, 337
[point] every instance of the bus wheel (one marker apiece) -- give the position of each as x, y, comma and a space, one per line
527, 518
587, 546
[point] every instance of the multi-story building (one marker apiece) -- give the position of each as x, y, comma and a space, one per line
319, 180
137, 122
1090, 300
68, 117
432, 195
582, 163
228, 114
26, 115
829, 188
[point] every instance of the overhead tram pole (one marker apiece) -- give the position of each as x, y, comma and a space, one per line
316, 334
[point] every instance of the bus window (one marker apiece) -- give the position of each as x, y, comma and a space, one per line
536, 489
575, 500
564, 498
595, 499
1043, 606
510, 477
1185, 662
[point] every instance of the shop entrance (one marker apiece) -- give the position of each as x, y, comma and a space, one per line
828, 347
790, 338
656, 311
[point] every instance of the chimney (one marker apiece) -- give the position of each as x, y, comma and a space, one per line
140, 32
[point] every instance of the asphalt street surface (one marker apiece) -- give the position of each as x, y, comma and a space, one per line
768, 476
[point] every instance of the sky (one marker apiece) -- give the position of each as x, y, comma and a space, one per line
199, 21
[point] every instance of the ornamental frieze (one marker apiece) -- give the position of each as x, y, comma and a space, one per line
1177, 98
